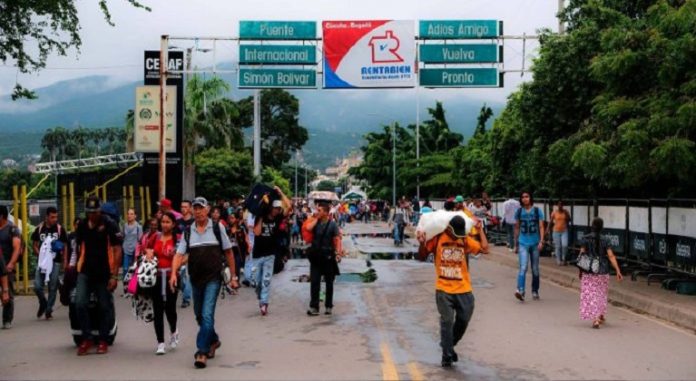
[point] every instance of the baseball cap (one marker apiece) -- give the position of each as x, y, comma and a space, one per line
200, 201
458, 225
92, 204
459, 198
167, 203
277, 204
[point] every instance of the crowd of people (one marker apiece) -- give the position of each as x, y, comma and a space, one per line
205, 250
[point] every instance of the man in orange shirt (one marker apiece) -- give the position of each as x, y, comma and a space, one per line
453, 292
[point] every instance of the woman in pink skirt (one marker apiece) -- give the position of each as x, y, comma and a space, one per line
594, 286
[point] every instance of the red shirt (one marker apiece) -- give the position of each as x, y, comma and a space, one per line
164, 251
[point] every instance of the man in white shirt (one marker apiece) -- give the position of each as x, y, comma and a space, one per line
510, 207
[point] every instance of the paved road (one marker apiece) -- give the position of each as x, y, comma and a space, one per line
384, 330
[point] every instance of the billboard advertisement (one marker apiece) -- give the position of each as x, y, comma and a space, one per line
147, 119
369, 54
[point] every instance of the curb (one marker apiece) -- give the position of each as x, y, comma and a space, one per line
637, 302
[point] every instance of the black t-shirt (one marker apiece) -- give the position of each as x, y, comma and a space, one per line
324, 240
268, 242
183, 224
96, 240
7, 234
42, 232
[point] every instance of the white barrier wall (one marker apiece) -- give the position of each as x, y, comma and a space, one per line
682, 221
659, 220
638, 219
614, 216
579, 213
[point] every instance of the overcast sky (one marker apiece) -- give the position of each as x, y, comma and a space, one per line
118, 51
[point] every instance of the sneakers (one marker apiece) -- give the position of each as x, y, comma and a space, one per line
455, 356
185, 304
42, 310
264, 309
160, 349
535, 295
446, 361
519, 295
313, 312
200, 360
328, 311
7, 325
102, 348
174, 340
84, 347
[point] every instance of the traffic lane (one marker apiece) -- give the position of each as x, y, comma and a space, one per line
286, 344
541, 339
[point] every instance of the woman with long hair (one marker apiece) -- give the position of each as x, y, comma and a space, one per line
163, 246
594, 286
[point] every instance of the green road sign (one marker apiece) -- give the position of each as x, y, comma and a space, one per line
277, 78
460, 29
475, 77
277, 54
460, 53
277, 30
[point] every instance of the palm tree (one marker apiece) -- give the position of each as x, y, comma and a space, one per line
49, 143
130, 131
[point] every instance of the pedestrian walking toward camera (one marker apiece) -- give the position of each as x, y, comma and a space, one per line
205, 246
594, 259
11, 245
453, 292
132, 233
560, 219
324, 255
529, 230
50, 244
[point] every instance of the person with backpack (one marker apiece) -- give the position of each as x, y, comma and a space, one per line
162, 245
132, 233
453, 292
49, 261
529, 230
324, 255
11, 247
560, 219
594, 280
204, 246
398, 221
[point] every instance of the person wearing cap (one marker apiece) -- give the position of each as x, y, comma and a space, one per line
267, 246
453, 291
99, 240
165, 206
203, 247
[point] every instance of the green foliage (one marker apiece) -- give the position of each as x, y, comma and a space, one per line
32, 30
274, 177
326, 185
222, 173
62, 144
12, 177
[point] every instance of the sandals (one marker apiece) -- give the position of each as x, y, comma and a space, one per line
596, 324
213, 347
602, 320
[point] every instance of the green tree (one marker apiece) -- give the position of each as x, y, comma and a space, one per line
327, 185
274, 177
32, 30
222, 173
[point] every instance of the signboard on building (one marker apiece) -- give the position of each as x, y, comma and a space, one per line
147, 119
369, 54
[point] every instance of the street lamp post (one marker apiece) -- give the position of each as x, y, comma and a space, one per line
394, 164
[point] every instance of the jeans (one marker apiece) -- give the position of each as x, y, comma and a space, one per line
185, 285
264, 271
249, 270
8, 309
560, 244
455, 313
127, 262
204, 302
416, 218
526, 253
52, 287
315, 273
398, 233
105, 305
510, 230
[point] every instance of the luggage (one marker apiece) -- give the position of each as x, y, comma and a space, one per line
260, 199
436, 222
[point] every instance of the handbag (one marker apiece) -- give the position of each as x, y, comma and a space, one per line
588, 263
314, 252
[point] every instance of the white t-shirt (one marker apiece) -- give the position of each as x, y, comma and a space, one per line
509, 209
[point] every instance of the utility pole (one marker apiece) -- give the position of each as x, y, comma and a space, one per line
164, 61
297, 154
394, 164
561, 27
257, 133
417, 143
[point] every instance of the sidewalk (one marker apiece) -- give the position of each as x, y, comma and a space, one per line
638, 296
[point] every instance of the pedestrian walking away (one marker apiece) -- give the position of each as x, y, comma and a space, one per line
100, 240
453, 292
529, 230
267, 245
324, 255
11, 244
204, 246
560, 219
50, 244
510, 207
163, 246
594, 280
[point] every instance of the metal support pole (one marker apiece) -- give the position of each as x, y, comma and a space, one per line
71, 202
148, 202
104, 198
417, 143
257, 133
25, 239
124, 202
306, 179
64, 204
394, 164
131, 199
164, 61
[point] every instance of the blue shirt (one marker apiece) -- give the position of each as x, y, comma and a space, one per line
529, 225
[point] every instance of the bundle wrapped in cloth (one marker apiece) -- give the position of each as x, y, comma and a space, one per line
434, 223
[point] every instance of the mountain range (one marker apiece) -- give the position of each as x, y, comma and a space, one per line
336, 119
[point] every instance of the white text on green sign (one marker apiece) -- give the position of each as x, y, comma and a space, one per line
475, 77
459, 29
277, 78
458, 53
277, 54
277, 30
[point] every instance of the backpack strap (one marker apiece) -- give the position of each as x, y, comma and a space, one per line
218, 234
187, 237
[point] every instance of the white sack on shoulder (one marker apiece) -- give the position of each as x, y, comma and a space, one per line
436, 222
